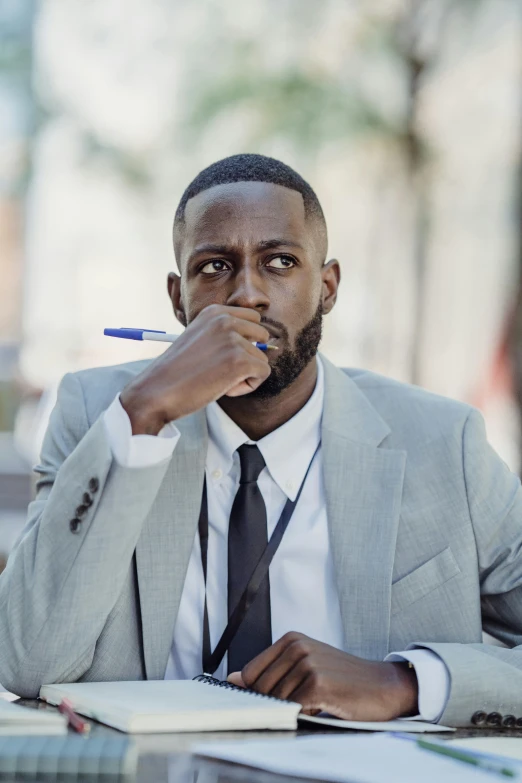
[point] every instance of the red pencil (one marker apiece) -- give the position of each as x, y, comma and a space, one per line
74, 720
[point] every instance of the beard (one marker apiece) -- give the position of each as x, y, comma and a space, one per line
290, 363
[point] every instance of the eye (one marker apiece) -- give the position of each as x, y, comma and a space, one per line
281, 262
213, 267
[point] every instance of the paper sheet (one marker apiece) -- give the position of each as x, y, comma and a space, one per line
410, 726
7, 695
348, 759
508, 747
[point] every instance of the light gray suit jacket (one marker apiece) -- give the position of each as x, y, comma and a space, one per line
425, 523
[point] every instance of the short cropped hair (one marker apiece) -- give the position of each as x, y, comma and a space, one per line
252, 168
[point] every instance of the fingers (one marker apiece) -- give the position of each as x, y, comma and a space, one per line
290, 682
284, 666
216, 312
250, 330
273, 657
296, 668
247, 386
246, 313
308, 693
242, 320
253, 368
251, 349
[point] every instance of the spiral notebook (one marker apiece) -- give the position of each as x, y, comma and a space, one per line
156, 706
202, 704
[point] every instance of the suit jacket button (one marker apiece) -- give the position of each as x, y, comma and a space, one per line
80, 511
494, 719
479, 718
509, 721
74, 525
94, 484
87, 499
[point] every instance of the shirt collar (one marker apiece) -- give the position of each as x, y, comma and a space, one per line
287, 451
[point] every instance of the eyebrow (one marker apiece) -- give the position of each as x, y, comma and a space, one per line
267, 244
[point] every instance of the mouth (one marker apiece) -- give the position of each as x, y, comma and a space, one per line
276, 339
274, 343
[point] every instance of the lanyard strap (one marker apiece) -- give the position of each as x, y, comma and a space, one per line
211, 660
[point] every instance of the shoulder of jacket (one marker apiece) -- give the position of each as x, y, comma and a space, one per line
113, 373
100, 385
396, 401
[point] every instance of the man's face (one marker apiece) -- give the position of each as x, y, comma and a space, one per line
248, 244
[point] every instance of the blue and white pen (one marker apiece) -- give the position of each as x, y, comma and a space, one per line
162, 337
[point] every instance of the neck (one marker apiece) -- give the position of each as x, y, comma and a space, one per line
258, 418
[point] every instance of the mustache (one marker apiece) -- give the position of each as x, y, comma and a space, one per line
280, 329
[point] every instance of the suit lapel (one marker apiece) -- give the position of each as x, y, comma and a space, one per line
363, 487
164, 547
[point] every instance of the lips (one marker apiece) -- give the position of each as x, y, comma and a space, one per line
273, 340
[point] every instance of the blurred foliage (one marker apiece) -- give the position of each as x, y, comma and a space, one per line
308, 102
134, 169
15, 39
16, 62
308, 108
15, 57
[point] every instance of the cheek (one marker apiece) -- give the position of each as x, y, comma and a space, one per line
196, 298
296, 311
298, 304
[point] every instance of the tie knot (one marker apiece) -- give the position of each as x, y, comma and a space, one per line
252, 463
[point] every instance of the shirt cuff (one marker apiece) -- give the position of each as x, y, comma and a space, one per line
434, 682
137, 451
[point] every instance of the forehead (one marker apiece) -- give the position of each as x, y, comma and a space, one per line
244, 213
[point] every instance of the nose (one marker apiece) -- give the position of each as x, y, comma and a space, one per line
249, 290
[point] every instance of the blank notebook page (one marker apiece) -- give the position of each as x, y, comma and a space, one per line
173, 705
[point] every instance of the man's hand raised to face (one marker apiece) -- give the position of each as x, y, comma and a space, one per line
213, 357
322, 678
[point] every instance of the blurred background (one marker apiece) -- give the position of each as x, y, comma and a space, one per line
404, 115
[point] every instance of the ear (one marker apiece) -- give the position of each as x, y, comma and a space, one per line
174, 289
331, 277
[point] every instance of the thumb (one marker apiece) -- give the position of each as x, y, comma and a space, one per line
236, 679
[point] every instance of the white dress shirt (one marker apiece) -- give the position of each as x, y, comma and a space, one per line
298, 602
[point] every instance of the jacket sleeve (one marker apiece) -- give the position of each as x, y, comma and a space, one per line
486, 678
64, 577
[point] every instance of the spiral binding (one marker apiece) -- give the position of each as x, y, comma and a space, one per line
209, 680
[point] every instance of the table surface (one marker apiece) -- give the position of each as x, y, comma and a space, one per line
166, 758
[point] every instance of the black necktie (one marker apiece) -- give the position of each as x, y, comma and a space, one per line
247, 540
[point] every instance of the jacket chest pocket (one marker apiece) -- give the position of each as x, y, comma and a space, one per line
424, 580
